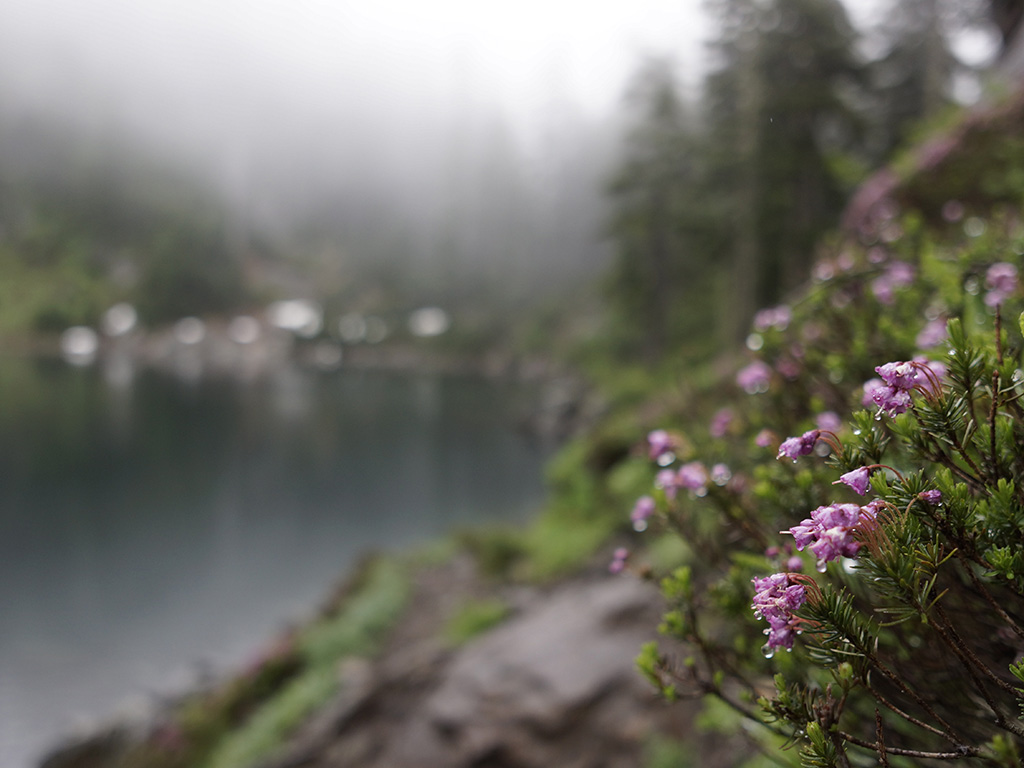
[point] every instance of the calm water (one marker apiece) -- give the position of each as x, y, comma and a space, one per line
153, 527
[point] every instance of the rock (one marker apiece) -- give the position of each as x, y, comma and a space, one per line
555, 685
100, 750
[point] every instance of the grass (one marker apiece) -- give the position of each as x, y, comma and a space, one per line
354, 630
474, 618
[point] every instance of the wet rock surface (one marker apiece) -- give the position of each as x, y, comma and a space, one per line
553, 685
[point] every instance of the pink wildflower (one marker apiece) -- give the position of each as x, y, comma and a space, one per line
643, 509
776, 599
721, 422
618, 563
859, 480
933, 333
829, 531
754, 378
828, 421
1001, 281
693, 477
803, 445
660, 445
775, 317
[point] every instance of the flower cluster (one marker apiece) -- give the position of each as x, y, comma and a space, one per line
643, 509
774, 317
721, 422
618, 563
691, 477
893, 394
776, 599
829, 531
792, 447
661, 447
898, 274
1001, 281
784, 555
933, 333
754, 378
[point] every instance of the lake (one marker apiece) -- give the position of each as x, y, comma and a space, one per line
152, 527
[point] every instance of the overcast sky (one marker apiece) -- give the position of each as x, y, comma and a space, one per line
196, 63
235, 82
202, 55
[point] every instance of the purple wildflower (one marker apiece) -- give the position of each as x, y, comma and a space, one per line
667, 480
898, 274
829, 531
933, 333
932, 374
932, 497
720, 474
898, 375
776, 599
899, 378
892, 401
693, 477
870, 510
643, 509
660, 446
828, 421
775, 317
618, 563
754, 378
788, 368
792, 447
859, 480
1001, 281
764, 438
952, 211
901, 274
794, 563
870, 386
721, 422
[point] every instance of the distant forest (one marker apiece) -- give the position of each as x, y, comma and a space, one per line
693, 208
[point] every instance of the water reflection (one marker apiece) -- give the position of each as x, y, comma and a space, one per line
157, 526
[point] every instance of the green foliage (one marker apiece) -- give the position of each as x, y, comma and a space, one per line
273, 723
936, 560
661, 752
188, 272
356, 628
473, 618
242, 722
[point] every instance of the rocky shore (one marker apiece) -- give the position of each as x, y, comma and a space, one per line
552, 684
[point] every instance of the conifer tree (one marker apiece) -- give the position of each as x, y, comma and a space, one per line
658, 269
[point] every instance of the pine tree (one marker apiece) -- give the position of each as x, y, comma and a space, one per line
658, 278
913, 78
779, 106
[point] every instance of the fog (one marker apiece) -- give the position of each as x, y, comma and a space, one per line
437, 117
